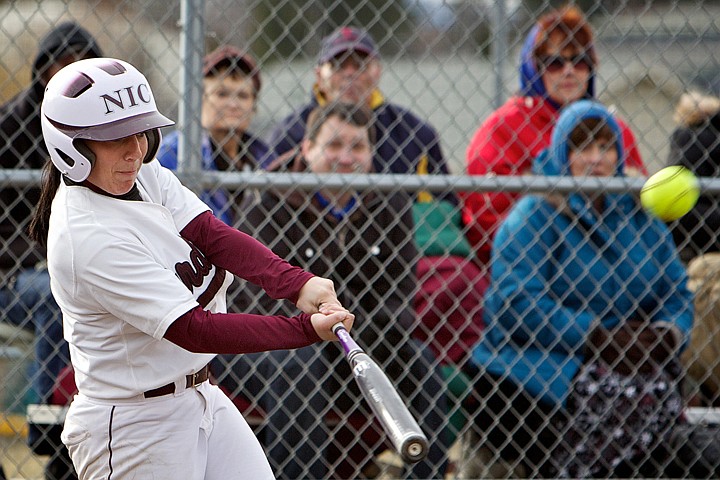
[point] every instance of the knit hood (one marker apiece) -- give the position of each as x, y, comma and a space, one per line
66, 37
555, 160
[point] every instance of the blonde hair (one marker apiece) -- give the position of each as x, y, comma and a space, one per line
694, 108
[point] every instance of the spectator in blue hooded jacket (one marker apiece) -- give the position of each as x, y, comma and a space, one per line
587, 292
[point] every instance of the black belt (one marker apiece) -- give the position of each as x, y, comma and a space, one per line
190, 381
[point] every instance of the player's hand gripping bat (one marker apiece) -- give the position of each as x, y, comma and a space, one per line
397, 422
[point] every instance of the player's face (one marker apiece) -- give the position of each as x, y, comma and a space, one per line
228, 103
117, 163
350, 78
565, 71
598, 158
339, 147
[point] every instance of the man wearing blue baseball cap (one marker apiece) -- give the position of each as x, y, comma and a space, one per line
348, 40
348, 70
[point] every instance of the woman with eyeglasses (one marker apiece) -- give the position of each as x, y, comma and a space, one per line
558, 66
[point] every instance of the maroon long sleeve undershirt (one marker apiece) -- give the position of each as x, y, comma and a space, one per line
241, 254
201, 331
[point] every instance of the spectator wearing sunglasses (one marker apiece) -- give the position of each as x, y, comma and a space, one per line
558, 66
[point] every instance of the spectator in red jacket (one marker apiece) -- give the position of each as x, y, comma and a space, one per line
558, 67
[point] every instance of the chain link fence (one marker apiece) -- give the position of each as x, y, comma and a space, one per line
451, 63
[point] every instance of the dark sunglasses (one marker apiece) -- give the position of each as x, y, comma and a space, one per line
555, 63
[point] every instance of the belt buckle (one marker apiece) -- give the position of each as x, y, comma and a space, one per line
194, 379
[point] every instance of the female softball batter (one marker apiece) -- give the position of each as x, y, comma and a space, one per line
140, 267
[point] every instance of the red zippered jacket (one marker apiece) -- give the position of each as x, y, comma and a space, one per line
505, 144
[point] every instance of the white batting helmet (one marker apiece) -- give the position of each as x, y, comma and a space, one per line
97, 99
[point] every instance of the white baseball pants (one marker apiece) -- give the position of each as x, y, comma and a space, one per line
195, 434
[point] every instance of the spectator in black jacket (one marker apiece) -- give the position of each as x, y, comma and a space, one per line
25, 298
695, 144
363, 240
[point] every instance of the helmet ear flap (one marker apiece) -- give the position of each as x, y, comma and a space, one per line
154, 138
65, 155
82, 147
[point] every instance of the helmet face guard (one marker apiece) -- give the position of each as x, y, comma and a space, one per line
98, 99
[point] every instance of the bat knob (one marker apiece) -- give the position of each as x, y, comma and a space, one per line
415, 450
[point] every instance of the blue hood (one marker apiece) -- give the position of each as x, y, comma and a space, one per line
555, 161
531, 83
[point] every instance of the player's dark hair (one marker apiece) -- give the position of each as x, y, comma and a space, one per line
346, 112
40, 223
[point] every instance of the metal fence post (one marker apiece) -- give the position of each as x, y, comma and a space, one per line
192, 48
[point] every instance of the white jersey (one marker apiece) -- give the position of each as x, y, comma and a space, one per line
122, 273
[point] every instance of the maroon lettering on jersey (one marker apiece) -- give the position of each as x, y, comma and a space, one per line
192, 273
215, 284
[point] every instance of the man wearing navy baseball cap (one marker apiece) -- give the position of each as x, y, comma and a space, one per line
349, 70
347, 39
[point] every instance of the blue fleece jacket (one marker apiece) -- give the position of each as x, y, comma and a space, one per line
555, 275
217, 199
